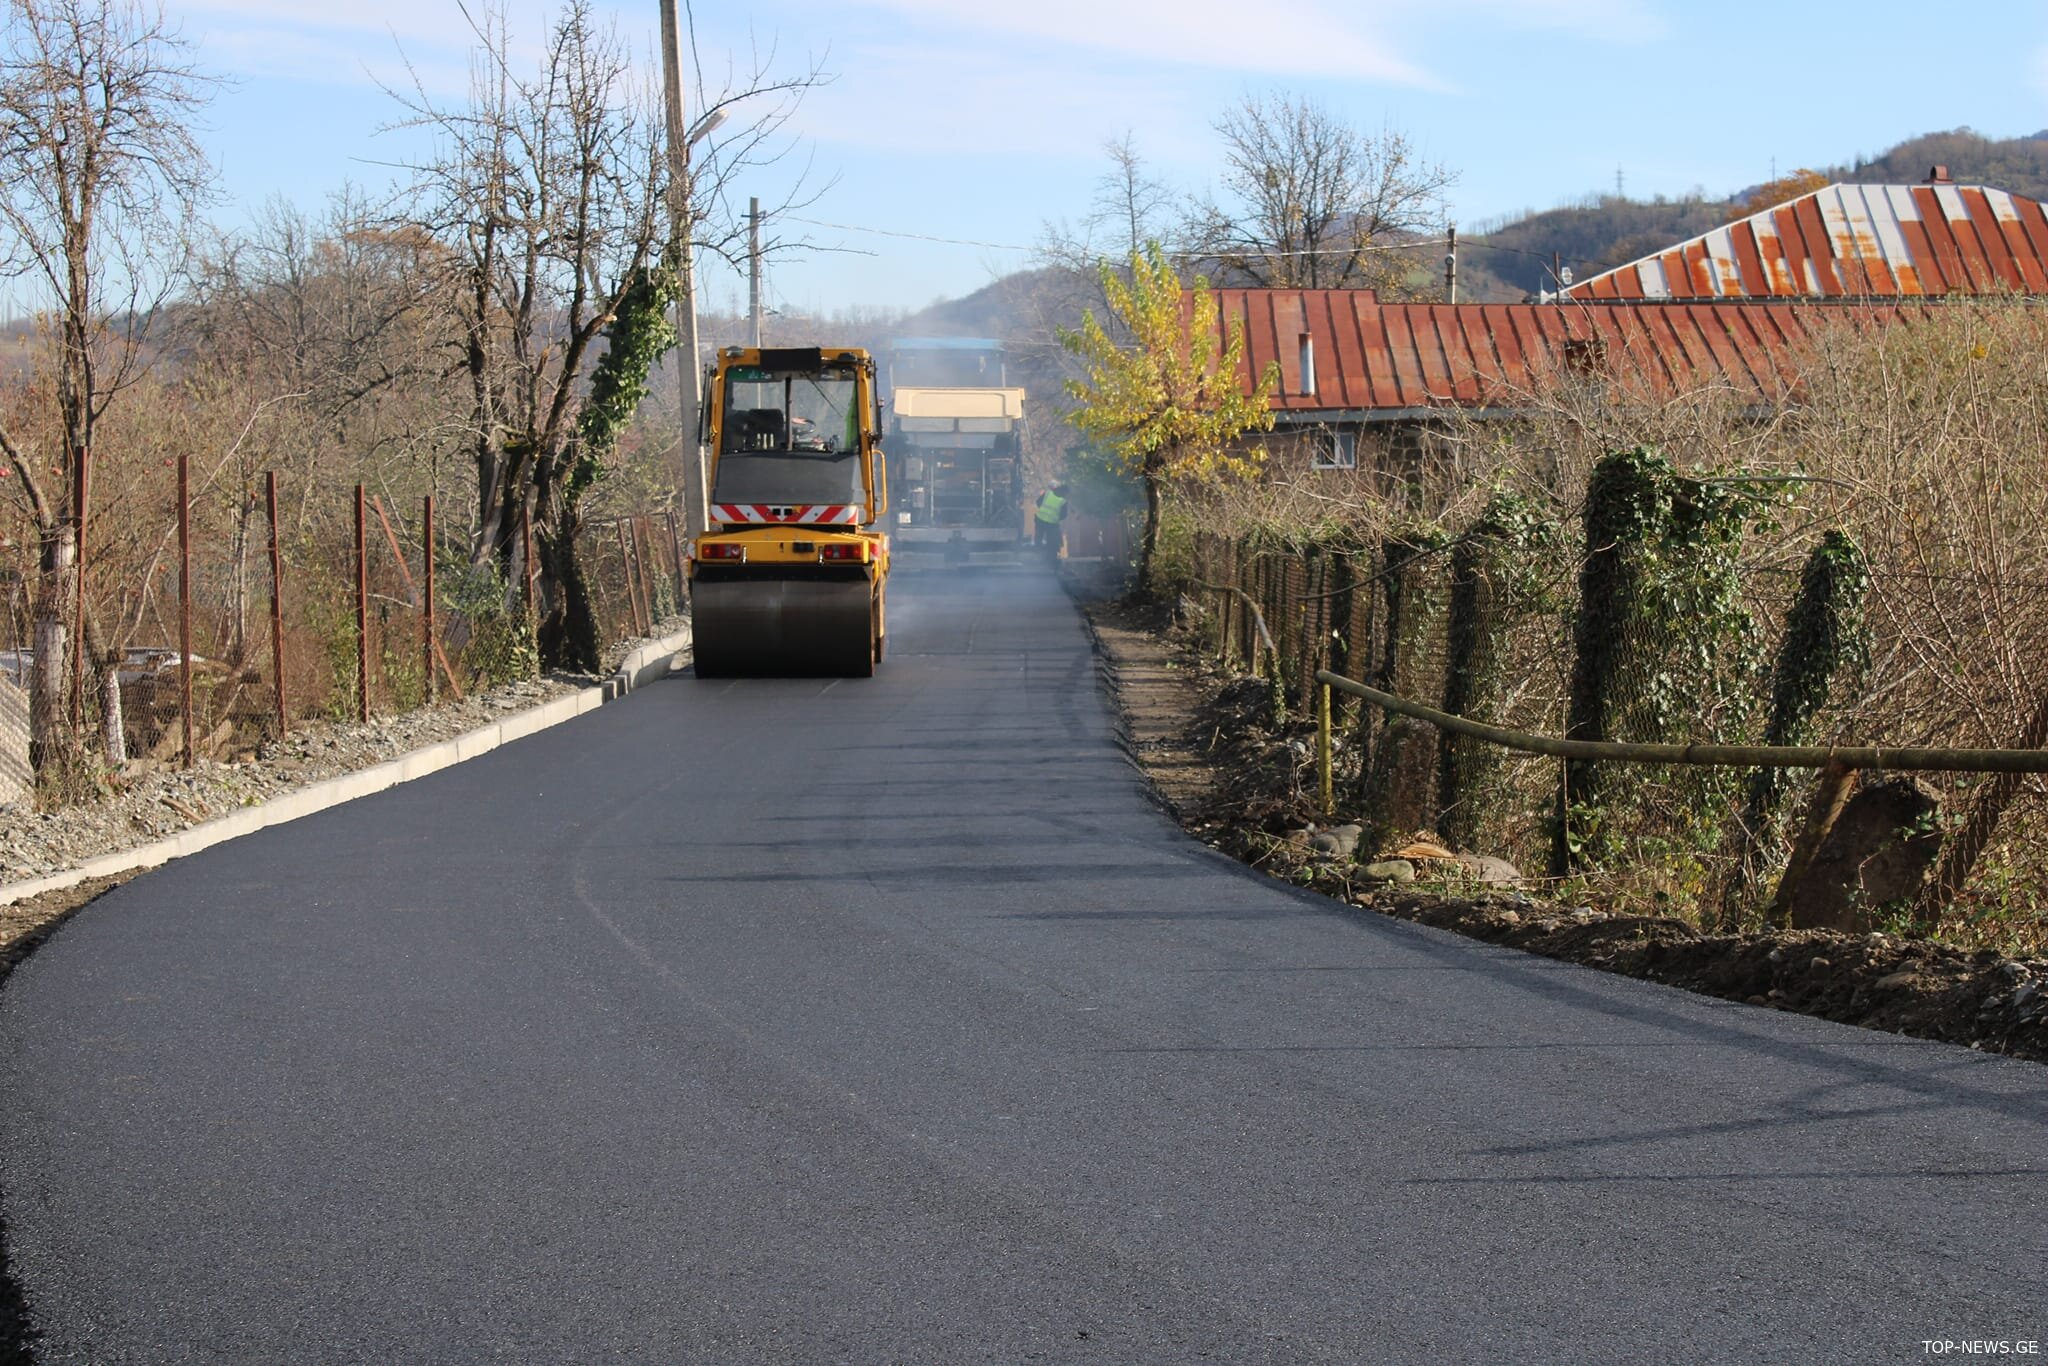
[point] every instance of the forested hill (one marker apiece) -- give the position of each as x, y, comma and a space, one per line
1516, 258
2016, 164
1504, 263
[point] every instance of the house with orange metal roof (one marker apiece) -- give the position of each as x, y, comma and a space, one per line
1852, 242
1731, 309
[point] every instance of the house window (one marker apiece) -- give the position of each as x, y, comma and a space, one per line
1337, 451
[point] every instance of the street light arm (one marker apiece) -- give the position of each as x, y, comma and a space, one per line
705, 127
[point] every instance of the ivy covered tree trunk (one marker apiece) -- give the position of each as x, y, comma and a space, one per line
1823, 639
637, 336
1627, 501
1474, 676
568, 636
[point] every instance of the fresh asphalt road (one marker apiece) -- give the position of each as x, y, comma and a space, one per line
891, 1020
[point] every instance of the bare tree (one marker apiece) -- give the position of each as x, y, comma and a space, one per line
1128, 209
332, 328
1308, 201
1130, 202
103, 180
337, 308
548, 196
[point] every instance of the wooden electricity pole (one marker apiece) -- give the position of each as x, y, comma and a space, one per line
696, 494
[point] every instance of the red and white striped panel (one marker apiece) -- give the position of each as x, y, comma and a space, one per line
801, 514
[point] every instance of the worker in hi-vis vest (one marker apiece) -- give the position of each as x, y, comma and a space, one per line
1052, 510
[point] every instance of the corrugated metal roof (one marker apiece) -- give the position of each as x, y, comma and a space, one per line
1367, 356
1852, 242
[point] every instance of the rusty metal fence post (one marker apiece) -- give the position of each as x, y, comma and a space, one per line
626, 571
185, 600
430, 645
427, 619
362, 614
642, 578
276, 602
675, 550
650, 561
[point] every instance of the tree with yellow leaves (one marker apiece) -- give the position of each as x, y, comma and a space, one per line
1169, 405
1782, 190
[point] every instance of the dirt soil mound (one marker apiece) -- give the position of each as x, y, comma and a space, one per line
1242, 779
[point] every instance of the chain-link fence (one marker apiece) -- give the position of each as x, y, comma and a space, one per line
1668, 628
636, 574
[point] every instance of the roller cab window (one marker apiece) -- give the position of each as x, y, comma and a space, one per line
790, 437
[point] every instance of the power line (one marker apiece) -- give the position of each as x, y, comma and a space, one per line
1190, 254
913, 236
1263, 254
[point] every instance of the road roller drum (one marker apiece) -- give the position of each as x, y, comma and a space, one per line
773, 625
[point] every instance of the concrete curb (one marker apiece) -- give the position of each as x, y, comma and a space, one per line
645, 664
649, 662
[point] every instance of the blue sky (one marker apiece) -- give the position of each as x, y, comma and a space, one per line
980, 122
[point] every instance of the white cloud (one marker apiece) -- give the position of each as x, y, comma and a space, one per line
952, 100
416, 20
1302, 39
1376, 41
363, 41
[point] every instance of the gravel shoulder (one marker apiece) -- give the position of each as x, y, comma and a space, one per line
1243, 786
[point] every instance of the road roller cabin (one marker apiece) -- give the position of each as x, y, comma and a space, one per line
790, 578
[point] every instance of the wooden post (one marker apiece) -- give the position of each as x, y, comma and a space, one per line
362, 614
1830, 794
427, 621
1324, 784
185, 600
276, 601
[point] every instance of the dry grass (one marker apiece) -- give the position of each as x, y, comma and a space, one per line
1926, 439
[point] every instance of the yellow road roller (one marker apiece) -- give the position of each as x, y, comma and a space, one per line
788, 580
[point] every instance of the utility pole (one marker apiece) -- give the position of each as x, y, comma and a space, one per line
754, 266
696, 497
1451, 266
